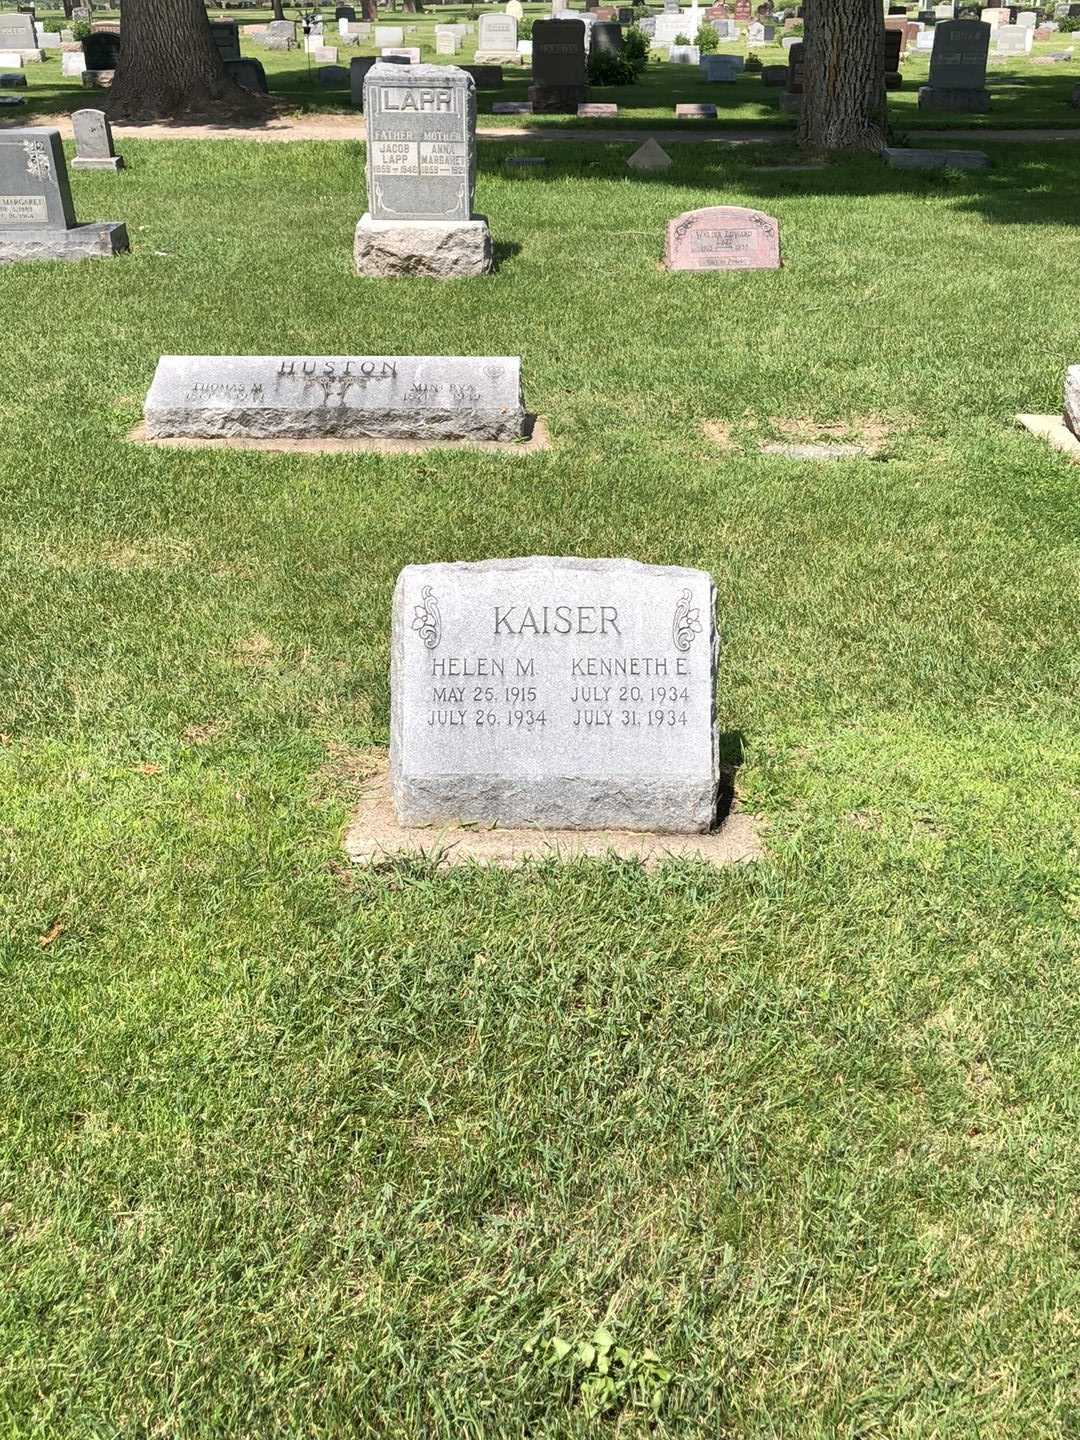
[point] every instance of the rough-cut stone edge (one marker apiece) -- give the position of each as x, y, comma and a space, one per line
110, 162
1054, 430
915, 157
433, 249
954, 100
537, 440
100, 240
580, 802
375, 836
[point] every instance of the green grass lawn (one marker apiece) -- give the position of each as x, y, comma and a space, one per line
1023, 91
292, 1151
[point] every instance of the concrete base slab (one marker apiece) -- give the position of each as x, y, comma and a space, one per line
953, 102
99, 241
1054, 431
375, 836
914, 159
111, 162
435, 249
537, 441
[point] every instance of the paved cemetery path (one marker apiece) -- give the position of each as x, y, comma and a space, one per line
351, 127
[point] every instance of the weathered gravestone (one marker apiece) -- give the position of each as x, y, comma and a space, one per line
721, 69
558, 68
684, 55
358, 69
497, 43
421, 175
17, 34
447, 43
389, 35
957, 79
607, 38
72, 65
1072, 399
553, 693
94, 142
249, 74
274, 397
723, 237
226, 37
101, 48
516, 9
37, 217
1013, 40
894, 41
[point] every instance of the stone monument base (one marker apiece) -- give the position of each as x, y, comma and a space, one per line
97, 79
376, 835
955, 102
438, 249
104, 162
557, 99
98, 241
496, 57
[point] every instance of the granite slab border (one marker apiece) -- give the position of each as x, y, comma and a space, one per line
1054, 431
537, 442
375, 837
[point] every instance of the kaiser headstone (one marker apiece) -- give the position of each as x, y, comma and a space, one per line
554, 693
94, 142
37, 217
421, 175
723, 237
957, 81
275, 397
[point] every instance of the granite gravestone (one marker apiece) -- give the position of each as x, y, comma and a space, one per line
721, 69
559, 85
37, 217
447, 43
389, 35
552, 693
421, 175
226, 37
102, 50
261, 397
607, 38
94, 142
1013, 40
957, 80
497, 41
894, 40
17, 34
1072, 399
358, 70
722, 237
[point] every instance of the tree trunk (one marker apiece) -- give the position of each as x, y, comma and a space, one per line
843, 105
170, 67
69, 6
278, 7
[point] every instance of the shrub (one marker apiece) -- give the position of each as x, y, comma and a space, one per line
525, 25
80, 29
682, 39
753, 62
606, 68
635, 50
707, 40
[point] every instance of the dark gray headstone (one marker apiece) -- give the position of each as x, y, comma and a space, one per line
101, 49
248, 74
332, 77
226, 36
37, 217
421, 154
958, 59
558, 52
607, 38
358, 69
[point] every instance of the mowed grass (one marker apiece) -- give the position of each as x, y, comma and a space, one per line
1024, 91
293, 1150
